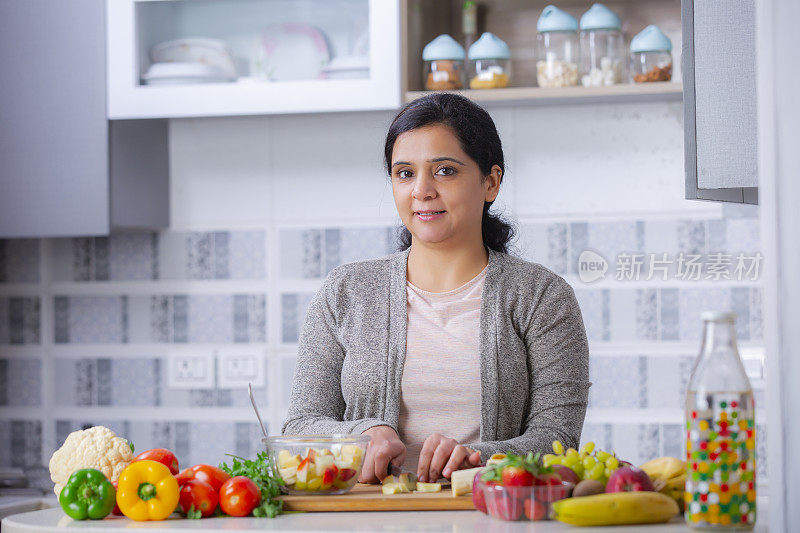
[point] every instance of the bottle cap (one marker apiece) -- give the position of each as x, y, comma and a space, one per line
599, 17
443, 47
651, 39
718, 316
489, 46
554, 19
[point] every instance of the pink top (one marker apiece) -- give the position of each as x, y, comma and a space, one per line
440, 391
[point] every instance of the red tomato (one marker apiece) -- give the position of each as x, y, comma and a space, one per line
535, 510
199, 494
116, 511
239, 496
210, 474
160, 455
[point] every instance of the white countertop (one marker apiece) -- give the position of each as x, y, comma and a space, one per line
451, 521
23, 503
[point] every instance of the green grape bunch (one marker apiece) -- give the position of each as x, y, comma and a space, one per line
587, 463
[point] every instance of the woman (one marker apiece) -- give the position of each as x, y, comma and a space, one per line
450, 350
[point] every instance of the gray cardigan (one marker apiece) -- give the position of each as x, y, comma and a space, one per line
534, 360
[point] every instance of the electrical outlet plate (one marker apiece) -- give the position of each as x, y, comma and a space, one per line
239, 367
190, 369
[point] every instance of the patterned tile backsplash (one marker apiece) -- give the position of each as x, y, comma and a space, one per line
153, 256
187, 318
192, 441
116, 306
20, 320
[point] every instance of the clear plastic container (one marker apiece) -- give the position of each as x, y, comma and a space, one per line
557, 49
602, 47
489, 65
651, 56
443, 64
720, 433
522, 503
318, 464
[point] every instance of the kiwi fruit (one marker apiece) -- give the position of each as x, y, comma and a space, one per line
588, 487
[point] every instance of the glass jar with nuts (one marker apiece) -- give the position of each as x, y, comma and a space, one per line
651, 56
557, 50
443, 60
602, 47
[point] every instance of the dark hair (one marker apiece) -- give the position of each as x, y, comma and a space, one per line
478, 137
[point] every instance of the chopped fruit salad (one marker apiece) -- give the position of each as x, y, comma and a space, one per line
321, 469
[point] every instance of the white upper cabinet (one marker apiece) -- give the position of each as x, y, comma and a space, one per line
191, 58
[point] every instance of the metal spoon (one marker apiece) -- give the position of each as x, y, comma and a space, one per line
255, 408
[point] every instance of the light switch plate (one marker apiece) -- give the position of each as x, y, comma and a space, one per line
239, 367
190, 369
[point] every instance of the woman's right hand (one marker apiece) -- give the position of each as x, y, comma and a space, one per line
384, 448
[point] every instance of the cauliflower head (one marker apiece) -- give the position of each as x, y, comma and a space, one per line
97, 447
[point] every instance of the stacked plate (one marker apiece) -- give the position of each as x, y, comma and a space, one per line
189, 61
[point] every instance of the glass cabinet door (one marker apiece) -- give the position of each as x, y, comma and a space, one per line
218, 57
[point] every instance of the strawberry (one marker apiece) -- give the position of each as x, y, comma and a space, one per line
478, 498
516, 470
502, 505
516, 476
535, 510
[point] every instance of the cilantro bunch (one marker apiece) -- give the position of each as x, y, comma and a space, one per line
263, 473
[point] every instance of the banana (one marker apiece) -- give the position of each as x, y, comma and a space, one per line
668, 475
616, 508
664, 468
676, 483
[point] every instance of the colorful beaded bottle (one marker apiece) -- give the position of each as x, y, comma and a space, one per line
720, 433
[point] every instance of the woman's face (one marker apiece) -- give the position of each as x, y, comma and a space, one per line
438, 189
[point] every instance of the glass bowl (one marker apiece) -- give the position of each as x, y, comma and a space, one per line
523, 503
318, 464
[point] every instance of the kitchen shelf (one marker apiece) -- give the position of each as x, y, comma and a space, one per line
658, 91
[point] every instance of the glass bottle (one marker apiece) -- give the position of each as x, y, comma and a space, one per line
720, 433
469, 23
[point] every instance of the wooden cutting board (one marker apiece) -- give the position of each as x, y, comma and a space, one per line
369, 498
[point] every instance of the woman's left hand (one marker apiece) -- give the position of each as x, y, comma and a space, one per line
441, 456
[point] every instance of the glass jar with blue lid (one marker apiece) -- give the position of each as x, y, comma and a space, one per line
443, 60
557, 48
651, 56
489, 65
602, 47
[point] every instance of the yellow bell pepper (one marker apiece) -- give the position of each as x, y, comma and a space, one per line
147, 491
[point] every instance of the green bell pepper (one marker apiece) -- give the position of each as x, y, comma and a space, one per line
88, 494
